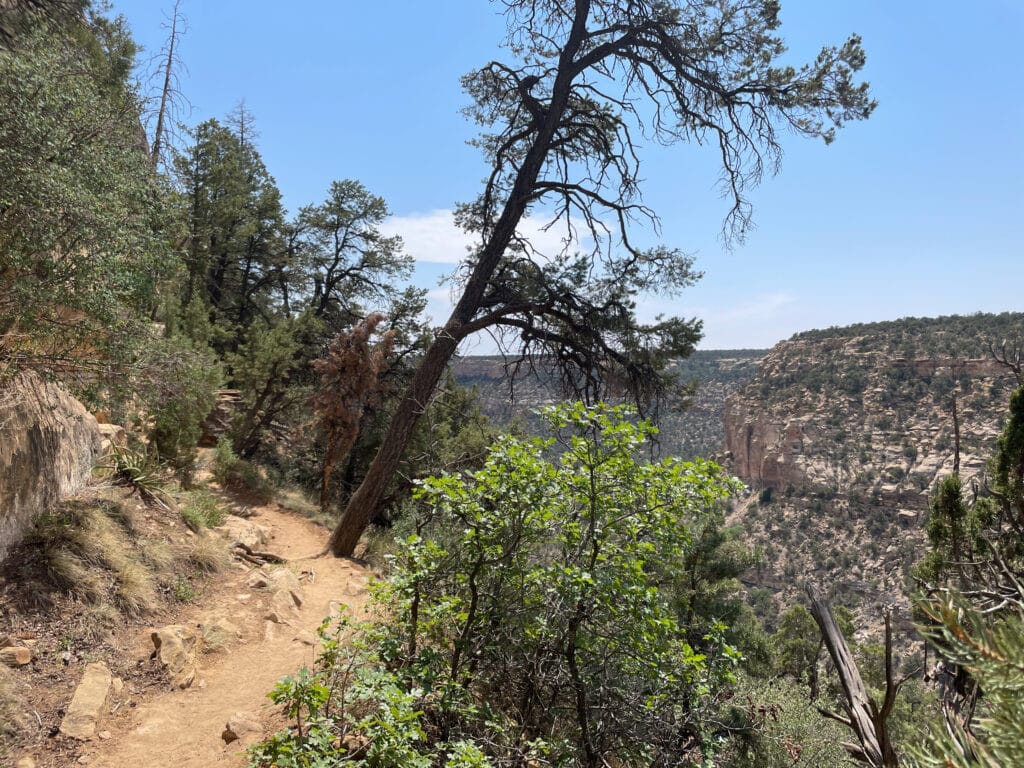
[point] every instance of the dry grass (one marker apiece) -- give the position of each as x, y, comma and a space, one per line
157, 554
89, 552
10, 710
296, 501
205, 553
94, 551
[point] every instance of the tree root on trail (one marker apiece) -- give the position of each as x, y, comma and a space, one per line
244, 552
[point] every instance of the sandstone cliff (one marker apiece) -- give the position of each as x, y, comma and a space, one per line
48, 445
890, 434
842, 436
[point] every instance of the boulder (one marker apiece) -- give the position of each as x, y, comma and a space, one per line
218, 631
305, 637
87, 703
283, 580
49, 443
175, 649
240, 725
258, 580
283, 609
113, 436
247, 532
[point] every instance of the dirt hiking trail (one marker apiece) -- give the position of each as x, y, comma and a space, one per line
160, 727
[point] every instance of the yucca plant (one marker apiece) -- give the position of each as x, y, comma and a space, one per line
139, 471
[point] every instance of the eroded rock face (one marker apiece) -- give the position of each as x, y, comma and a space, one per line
48, 445
867, 421
842, 437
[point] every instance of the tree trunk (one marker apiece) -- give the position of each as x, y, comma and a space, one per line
864, 717
366, 502
165, 92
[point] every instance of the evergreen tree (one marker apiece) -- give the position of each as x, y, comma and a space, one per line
974, 617
81, 213
561, 116
235, 229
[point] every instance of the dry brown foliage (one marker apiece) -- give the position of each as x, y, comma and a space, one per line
350, 382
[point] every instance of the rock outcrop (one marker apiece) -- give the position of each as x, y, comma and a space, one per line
49, 443
176, 647
842, 436
875, 424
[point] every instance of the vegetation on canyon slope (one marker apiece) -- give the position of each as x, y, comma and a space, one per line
568, 602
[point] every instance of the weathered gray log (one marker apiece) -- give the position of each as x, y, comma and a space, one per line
865, 719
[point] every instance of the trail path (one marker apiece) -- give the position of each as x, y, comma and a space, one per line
162, 728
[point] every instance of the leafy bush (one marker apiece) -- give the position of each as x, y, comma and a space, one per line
529, 620
224, 461
240, 474
778, 727
177, 384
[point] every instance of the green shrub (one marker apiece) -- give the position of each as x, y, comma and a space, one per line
236, 473
224, 461
138, 470
530, 618
202, 510
177, 386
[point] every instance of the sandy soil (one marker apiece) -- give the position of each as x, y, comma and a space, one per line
162, 728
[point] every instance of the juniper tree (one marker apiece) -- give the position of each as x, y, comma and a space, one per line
586, 79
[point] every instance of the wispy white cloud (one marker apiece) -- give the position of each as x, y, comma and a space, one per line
432, 237
759, 320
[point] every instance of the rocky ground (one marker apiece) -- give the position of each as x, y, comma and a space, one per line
190, 687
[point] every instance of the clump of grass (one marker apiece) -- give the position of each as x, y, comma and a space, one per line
157, 554
202, 510
9, 710
297, 501
88, 553
205, 553
183, 590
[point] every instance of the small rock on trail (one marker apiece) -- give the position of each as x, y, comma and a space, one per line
189, 728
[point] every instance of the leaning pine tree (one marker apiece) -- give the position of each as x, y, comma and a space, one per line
560, 122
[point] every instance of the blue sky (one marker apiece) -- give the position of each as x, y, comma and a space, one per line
917, 211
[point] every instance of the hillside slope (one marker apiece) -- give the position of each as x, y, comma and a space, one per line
842, 435
697, 430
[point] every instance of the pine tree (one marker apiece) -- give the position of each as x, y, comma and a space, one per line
975, 618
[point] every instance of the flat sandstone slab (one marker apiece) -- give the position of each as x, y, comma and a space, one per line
88, 702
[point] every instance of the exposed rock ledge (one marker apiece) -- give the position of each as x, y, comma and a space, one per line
48, 445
